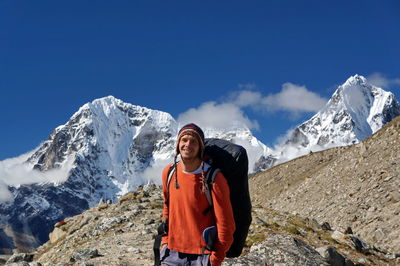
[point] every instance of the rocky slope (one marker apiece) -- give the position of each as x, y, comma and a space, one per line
122, 234
355, 186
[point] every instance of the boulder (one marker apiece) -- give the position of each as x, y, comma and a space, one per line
333, 257
56, 235
85, 254
20, 257
279, 250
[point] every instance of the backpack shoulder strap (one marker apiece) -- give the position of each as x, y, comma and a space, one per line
171, 172
211, 174
210, 177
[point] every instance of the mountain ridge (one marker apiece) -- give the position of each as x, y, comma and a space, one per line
105, 150
356, 110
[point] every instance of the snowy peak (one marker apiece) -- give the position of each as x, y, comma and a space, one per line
369, 106
102, 152
353, 102
356, 110
117, 146
356, 95
355, 80
106, 124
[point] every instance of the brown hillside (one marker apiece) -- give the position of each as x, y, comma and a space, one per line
356, 186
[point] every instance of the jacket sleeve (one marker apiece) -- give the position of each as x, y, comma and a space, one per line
223, 217
165, 195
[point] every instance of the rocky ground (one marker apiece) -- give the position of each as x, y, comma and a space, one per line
122, 234
109, 234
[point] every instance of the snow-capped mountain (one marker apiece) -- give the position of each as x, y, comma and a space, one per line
256, 150
356, 110
106, 149
110, 142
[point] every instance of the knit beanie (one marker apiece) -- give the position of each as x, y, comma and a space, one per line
194, 130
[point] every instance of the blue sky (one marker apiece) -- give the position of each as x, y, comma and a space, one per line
176, 55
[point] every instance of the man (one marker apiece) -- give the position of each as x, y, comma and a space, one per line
187, 210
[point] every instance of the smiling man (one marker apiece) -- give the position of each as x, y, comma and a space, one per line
188, 212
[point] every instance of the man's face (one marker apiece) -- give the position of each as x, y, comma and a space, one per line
189, 147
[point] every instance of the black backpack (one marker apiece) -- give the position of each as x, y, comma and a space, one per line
231, 159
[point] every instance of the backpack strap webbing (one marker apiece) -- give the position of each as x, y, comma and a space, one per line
210, 178
171, 172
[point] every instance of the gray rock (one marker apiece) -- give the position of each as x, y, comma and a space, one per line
20, 263
146, 231
348, 230
395, 195
364, 260
129, 225
326, 226
279, 250
337, 235
259, 221
85, 263
147, 221
348, 262
84, 254
20, 257
108, 223
360, 245
2, 261
333, 257
134, 250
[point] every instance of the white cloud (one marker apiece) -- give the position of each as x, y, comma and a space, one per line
380, 80
287, 151
5, 194
246, 98
211, 114
15, 171
292, 98
152, 174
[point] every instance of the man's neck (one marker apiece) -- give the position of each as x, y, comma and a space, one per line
191, 165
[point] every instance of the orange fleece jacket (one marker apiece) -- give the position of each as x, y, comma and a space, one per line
186, 220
